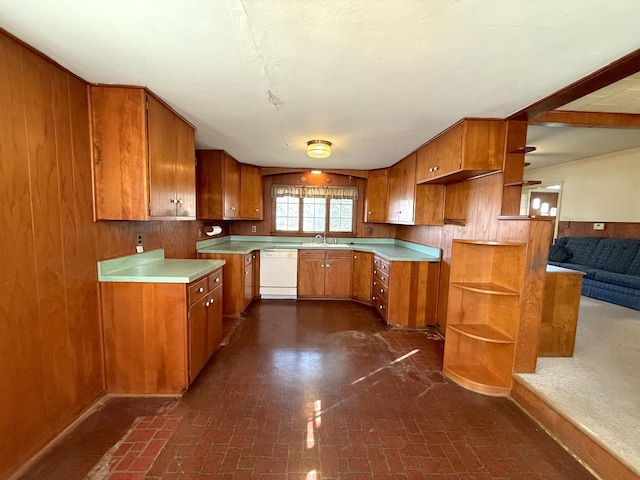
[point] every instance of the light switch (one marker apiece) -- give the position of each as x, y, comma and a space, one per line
598, 226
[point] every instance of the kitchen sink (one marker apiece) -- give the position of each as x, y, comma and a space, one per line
325, 245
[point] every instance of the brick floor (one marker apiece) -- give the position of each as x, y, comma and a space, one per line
322, 390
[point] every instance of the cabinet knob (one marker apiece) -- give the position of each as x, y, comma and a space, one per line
381, 277
355, 256
374, 297
322, 265
375, 271
381, 307
200, 290
206, 304
179, 201
435, 169
369, 213
431, 169
375, 283
257, 209
217, 279
173, 200
382, 290
253, 256
327, 265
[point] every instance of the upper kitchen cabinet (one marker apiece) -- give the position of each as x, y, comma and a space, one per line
220, 181
467, 149
251, 188
143, 157
377, 197
402, 191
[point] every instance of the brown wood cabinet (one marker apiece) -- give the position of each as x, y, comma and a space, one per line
227, 189
362, 276
377, 196
405, 293
469, 148
402, 191
322, 273
429, 209
143, 157
238, 273
158, 336
251, 207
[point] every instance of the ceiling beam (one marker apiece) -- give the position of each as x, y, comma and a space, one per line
587, 119
621, 68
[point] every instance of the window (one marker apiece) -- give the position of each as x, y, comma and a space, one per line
311, 209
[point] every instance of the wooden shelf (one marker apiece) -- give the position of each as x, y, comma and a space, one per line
478, 378
524, 183
483, 332
485, 287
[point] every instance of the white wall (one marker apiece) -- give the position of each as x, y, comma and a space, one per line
603, 188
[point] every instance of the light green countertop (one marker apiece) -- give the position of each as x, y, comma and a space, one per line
152, 267
390, 249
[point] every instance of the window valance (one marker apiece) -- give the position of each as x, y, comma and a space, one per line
313, 191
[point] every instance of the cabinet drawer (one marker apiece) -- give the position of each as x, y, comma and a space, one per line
380, 305
380, 276
381, 265
381, 290
197, 290
215, 280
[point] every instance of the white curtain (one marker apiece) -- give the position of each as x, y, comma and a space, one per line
313, 191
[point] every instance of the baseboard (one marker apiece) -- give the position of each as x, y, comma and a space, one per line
92, 407
603, 463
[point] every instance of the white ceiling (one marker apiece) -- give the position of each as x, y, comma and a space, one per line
259, 78
557, 144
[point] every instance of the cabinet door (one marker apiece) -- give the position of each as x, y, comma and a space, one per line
248, 284
311, 273
402, 184
209, 178
251, 192
377, 196
337, 280
362, 276
198, 341
119, 154
162, 154
185, 169
429, 208
425, 160
231, 187
448, 151
214, 320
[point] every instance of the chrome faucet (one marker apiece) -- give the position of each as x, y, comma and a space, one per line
322, 237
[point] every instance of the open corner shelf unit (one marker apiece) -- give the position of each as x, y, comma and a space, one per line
485, 288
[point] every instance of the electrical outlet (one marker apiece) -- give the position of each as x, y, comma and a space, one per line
369, 231
598, 226
139, 240
253, 229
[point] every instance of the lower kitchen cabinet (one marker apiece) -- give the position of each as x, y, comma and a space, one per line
324, 273
239, 278
405, 293
158, 336
362, 277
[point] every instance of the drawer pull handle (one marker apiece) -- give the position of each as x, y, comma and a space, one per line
382, 290
217, 279
375, 271
381, 307
206, 304
200, 290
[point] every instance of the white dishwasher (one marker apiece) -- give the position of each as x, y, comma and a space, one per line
278, 273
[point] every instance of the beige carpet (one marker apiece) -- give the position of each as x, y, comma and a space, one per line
599, 387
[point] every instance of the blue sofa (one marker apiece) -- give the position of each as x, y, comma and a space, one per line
612, 266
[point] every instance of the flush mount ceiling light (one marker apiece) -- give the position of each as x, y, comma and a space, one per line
318, 148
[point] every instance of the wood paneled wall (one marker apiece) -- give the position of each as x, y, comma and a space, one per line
264, 227
611, 229
50, 332
478, 202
